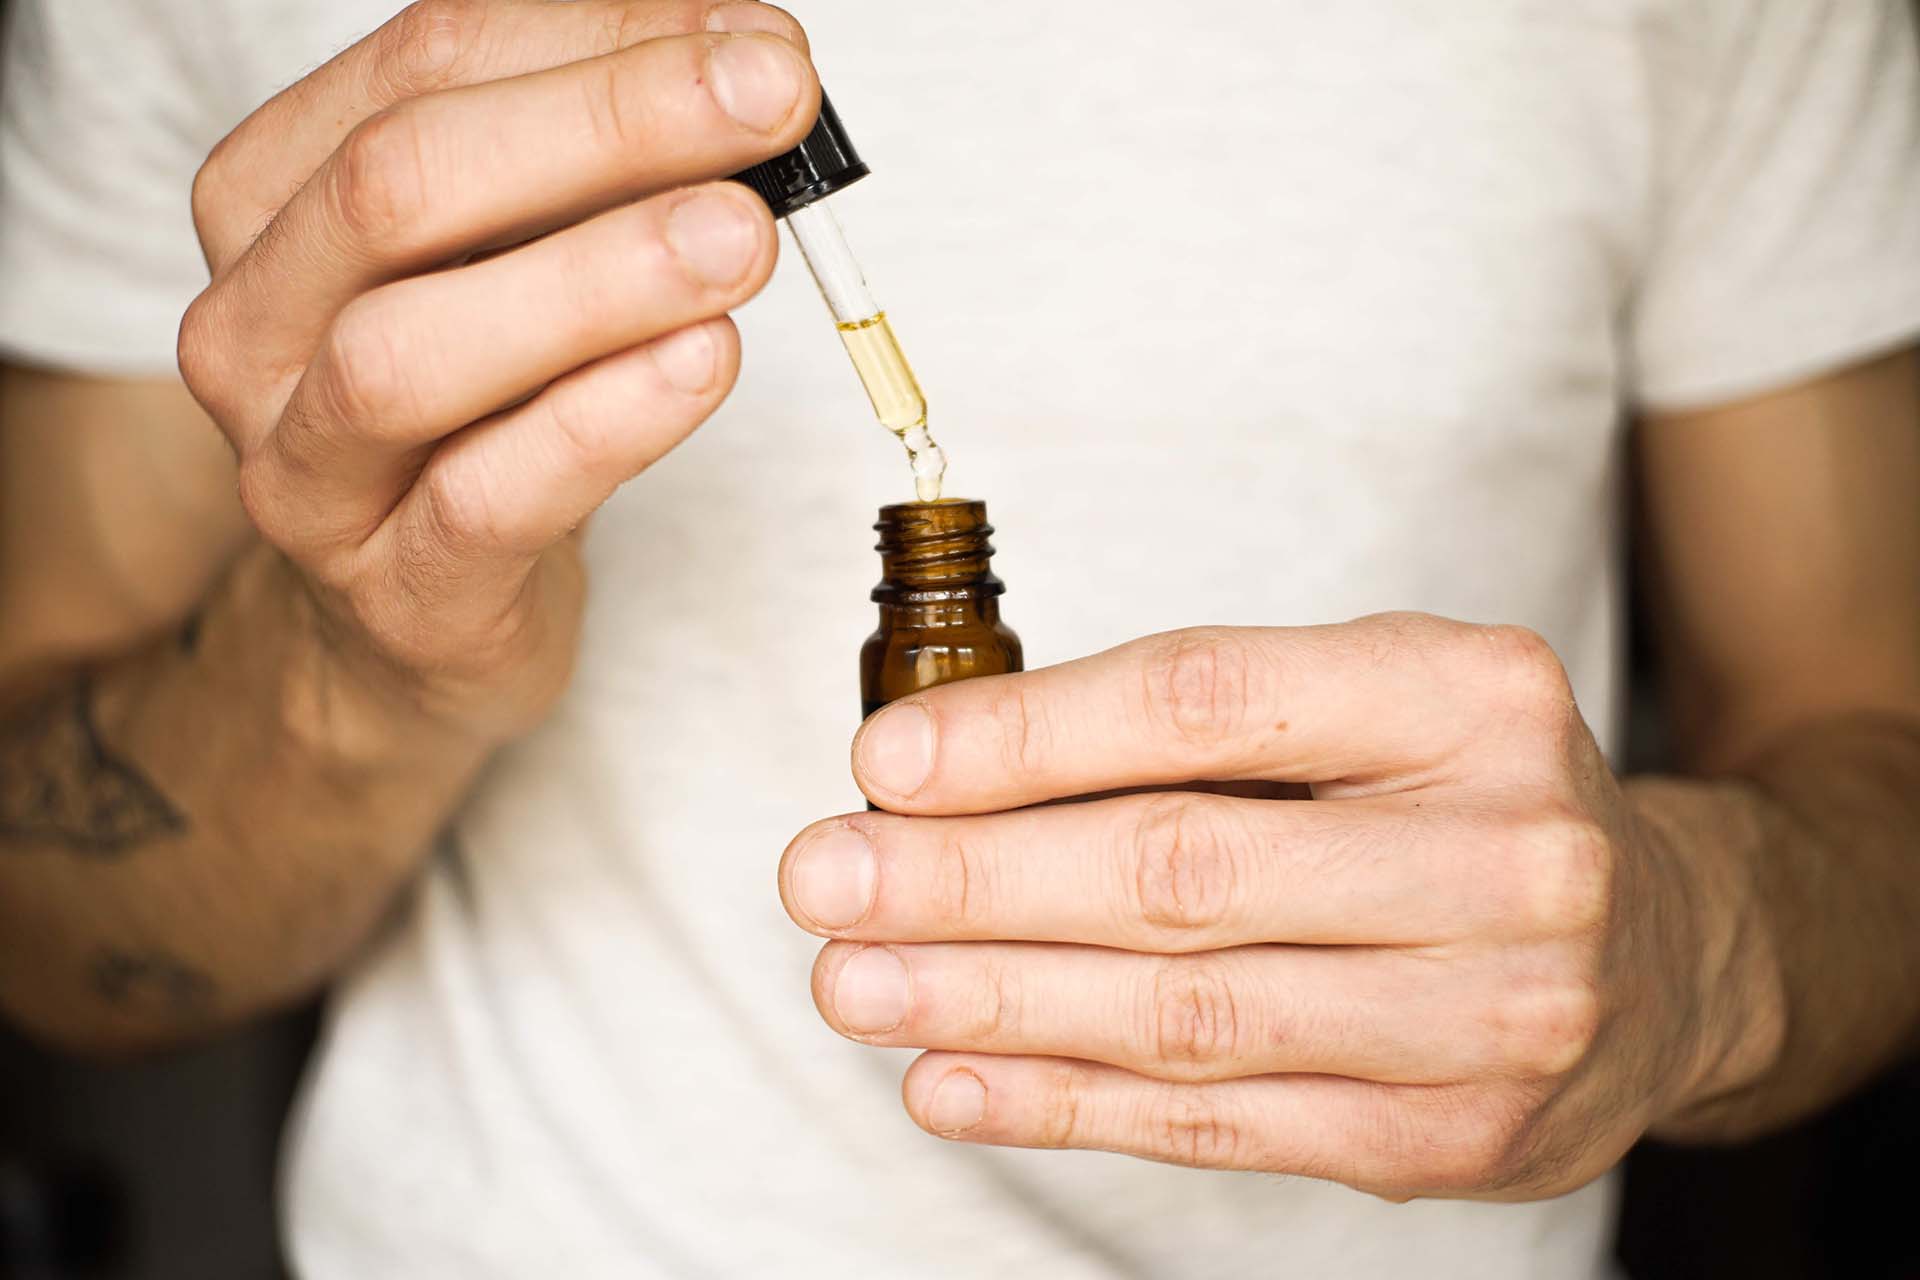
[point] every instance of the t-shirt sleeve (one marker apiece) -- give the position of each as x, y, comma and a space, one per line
1786, 231
104, 119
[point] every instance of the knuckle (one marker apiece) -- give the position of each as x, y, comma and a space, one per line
1471, 1147
625, 25
1024, 731
212, 187
1549, 1032
995, 1015
1198, 683
1184, 877
421, 49
1566, 880
1527, 671
1195, 1019
1059, 1111
200, 350
1459, 1166
583, 431
365, 370
1394, 639
459, 518
1192, 1127
379, 176
1387, 1154
618, 108
963, 884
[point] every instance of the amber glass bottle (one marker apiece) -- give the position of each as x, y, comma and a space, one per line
939, 603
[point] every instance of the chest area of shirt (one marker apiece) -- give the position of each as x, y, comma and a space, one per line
1305, 204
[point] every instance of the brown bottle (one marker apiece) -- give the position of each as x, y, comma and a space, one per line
939, 603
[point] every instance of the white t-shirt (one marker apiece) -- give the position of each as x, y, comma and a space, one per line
1263, 311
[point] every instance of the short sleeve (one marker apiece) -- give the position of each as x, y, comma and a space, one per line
1786, 236
104, 120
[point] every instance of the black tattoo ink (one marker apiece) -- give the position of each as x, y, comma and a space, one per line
61, 785
150, 982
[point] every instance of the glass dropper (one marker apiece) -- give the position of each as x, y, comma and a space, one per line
897, 399
796, 186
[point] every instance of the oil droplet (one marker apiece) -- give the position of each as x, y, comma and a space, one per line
928, 460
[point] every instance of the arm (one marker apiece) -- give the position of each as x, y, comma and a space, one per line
196, 818
219, 757
1783, 544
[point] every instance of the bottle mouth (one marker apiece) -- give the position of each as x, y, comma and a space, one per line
935, 550
941, 513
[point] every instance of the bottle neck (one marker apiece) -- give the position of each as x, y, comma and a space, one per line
963, 610
937, 554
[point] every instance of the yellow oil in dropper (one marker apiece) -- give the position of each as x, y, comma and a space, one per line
897, 399
869, 338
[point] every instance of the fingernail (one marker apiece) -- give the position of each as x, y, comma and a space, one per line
896, 751
740, 18
958, 1102
755, 80
833, 878
714, 236
685, 359
870, 995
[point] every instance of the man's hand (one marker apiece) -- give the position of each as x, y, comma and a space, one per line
1464, 968
421, 419
468, 277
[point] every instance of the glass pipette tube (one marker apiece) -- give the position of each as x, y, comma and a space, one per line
868, 336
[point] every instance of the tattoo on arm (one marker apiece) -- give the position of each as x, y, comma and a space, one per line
61, 785
151, 982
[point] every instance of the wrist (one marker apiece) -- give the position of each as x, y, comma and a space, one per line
1728, 992
342, 707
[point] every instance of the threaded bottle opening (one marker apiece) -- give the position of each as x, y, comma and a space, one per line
935, 550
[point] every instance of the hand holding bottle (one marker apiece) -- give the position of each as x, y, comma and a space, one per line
1468, 967
462, 290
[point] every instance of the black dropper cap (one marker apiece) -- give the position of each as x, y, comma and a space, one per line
821, 165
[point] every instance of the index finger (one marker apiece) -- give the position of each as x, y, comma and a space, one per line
431, 45
1382, 703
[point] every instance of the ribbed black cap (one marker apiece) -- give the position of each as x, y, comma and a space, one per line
815, 169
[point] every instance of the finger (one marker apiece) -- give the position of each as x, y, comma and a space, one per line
502, 492
1393, 1141
434, 178
426, 48
1180, 872
1384, 703
416, 360
1368, 1013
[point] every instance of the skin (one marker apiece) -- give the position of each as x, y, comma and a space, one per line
420, 380
1518, 962
1475, 963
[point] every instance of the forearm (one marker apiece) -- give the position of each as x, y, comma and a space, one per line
200, 830
1807, 862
